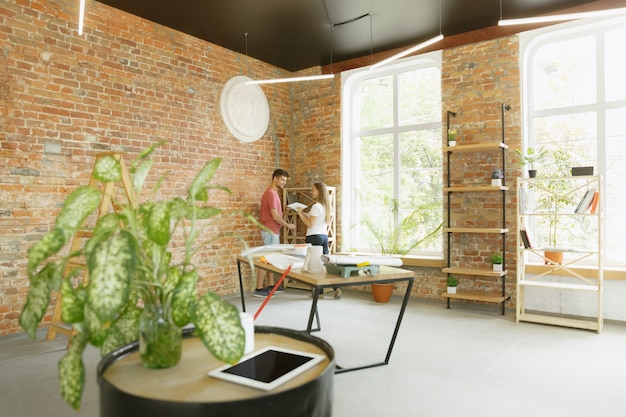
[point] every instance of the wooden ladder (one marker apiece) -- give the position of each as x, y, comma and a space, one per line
107, 204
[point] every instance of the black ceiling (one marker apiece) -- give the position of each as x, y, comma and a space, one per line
299, 34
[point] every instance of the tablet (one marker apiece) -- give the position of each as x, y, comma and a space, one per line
268, 368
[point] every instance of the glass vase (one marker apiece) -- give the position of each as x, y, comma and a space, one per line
160, 340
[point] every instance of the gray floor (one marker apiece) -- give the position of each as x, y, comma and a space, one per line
467, 361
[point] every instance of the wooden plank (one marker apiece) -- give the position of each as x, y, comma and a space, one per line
474, 230
473, 271
558, 285
559, 321
476, 296
476, 188
476, 147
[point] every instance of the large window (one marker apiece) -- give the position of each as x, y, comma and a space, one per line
392, 160
575, 95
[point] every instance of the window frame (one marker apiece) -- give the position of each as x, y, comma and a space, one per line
531, 43
350, 83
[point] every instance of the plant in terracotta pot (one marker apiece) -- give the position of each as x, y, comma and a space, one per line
133, 287
391, 238
452, 283
497, 261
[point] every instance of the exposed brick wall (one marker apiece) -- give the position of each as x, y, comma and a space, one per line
476, 80
127, 83
124, 85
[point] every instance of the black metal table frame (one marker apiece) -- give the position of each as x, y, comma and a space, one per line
315, 289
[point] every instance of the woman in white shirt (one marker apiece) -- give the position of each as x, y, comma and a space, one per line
316, 221
318, 217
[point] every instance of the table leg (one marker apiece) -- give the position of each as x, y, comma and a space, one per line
405, 301
243, 301
314, 312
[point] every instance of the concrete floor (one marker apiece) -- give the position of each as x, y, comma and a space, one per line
467, 361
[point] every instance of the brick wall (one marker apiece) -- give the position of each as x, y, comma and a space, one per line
125, 84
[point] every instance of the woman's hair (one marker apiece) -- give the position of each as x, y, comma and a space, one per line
323, 198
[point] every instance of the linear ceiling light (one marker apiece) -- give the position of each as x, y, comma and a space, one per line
561, 17
292, 79
411, 49
81, 16
408, 51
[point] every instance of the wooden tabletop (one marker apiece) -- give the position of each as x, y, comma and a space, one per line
189, 382
386, 274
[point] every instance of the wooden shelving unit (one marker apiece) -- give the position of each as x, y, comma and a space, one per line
497, 295
582, 245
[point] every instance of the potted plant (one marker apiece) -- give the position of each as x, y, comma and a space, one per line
451, 137
395, 239
497, 175
132, 280
452, 282
529, 158
496, 261
554, 198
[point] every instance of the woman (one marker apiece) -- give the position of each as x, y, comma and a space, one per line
317, 220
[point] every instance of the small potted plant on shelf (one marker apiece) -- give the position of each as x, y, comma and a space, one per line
497, 175
530, 157
452, 137
496, 261
137, 289
452, 282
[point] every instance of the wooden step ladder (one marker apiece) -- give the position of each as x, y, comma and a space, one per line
107, 205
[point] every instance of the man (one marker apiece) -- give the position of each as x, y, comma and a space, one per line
272, 219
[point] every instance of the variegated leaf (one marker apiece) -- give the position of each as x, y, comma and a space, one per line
159, 223
72, 372
111, 267
105, 227
47, 246
141, 173
37, 300
218, 324
73, 302
124, 331
197, 190
107, 169
172, 278
178, 209
206, 212
183, 296
78, 205
97, 329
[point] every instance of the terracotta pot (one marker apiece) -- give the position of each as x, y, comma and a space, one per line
382, 292
554, 258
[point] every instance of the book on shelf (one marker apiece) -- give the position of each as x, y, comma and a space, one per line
525, 238
585, 202
594, 202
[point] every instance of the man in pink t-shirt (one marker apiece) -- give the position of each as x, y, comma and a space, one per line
272, 218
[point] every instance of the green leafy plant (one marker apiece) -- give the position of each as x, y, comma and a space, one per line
497, 259
531, 156
392, 238
452, 281
452, 135
130, 266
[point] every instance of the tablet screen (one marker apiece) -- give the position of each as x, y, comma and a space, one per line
268, 368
